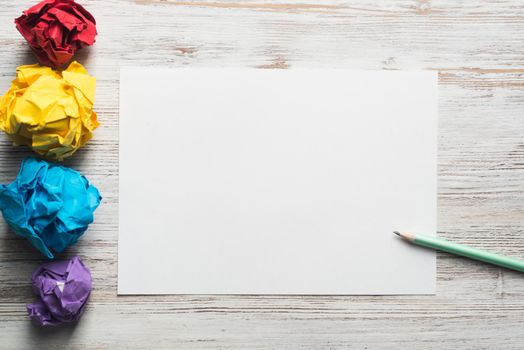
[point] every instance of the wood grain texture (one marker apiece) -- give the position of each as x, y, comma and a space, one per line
478, 49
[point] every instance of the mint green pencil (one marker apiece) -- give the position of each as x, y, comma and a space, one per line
463, 250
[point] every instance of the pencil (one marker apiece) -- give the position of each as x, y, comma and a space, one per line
463, 250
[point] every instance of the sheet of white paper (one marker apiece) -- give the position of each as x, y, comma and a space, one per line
244, 181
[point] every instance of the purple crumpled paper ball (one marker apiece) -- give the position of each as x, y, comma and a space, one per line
63, 288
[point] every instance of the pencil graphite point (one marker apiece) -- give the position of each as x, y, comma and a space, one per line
397, 233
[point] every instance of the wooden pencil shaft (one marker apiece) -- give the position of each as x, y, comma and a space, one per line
466, 251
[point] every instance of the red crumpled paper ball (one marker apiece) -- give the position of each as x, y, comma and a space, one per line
56, 29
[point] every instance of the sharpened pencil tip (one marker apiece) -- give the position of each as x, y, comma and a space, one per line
397, 233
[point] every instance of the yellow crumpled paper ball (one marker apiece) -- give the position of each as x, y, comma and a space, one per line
50, 111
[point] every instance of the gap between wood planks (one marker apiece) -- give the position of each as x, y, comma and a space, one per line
252, 6
446, 75
276, 7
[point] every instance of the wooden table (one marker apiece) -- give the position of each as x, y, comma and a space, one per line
478, 49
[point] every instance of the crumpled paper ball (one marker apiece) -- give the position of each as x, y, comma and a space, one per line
49, 204
56, 29
50, 111
63, 288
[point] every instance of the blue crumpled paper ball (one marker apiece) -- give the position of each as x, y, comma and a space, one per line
49, 204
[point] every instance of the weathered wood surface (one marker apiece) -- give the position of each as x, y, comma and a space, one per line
478, 49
